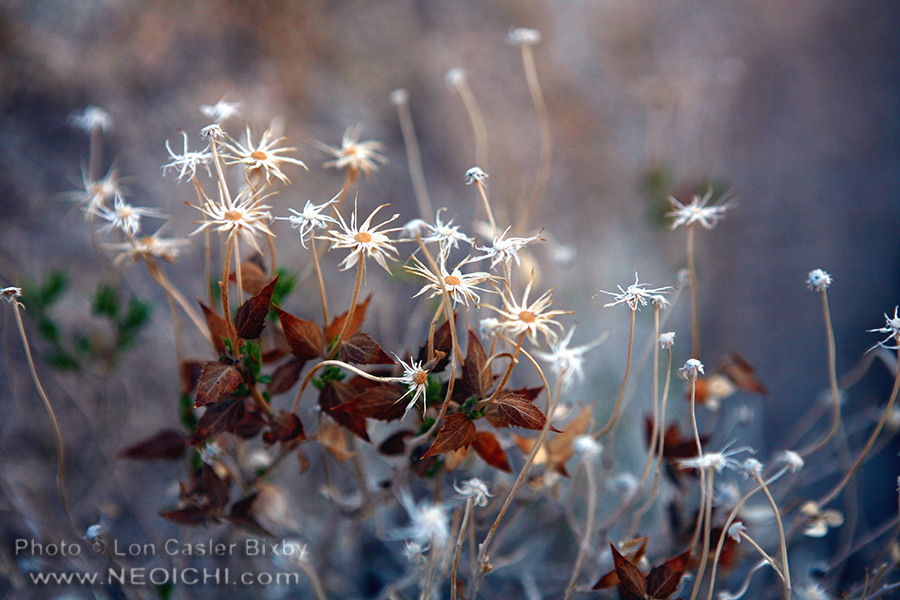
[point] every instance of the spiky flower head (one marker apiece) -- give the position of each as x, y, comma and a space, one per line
636, 295
697, 211
517, 318
187, 162
364, 241
818, 280
461, 287
505, 250
247, 218
262, 157
354, 155
310, 218
892, 328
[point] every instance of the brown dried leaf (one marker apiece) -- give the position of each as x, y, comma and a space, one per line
396, 443
333, 395
219, 417
379, 402
557, 451
253, 277
333, 439
488, 448
168, 444
475, 378
454, 458
217, 380
443, 343
218, 330
250, 319
458, 432
214, 488
664, 579
741, 374
611, 579
192, 516
284, 428
516, 411
285, 376
241, 515
359, 315
361, 349
190, 374
632, 583
304, 337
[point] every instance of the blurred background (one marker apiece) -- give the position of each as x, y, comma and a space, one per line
791, 107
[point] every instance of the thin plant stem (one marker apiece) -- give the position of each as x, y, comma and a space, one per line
764, 554
475, 118
865, 452
159, 276
487, 206
588, 526
314, 580
321, 281
512, 363
659, 444
459, 544
615, 413
784, 555
238, 271
273, 267
361, 265
223, 285
707, 527
485, 545
832, 380
543, 172
695, 295
413, 157
57, 434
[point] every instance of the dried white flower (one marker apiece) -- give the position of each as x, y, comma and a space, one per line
364, 241
636, 294
97, 194
717, 461
892, 328
212, 132
11, 295
91, 118
473, 488
187, 162
475, 174
309, 219
148, 246
667, 340
461, 287
399, 96
414, 553
506, 250
518, 318
567, 363
125, 217
446, 234
429, 522
736, 531
264, 156
692, 369
454, 77
587, 446
246, 218
793, 460
818, 280
697, 211
354, 155
416, 378
523, 36
818, 520
221, 110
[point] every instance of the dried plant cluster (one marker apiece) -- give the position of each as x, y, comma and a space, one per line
298, 383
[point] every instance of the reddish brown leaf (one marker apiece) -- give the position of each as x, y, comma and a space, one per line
475, 378
516, 411
192, 516
379, 402
241, 515
333, 395
529, 394
632, 583
285, 376
190, 374
304, 337
219, 417
458, 432
218, 330
214, 488
250, 423
742, 375
334, 439
361, 349
250, 318
285, 428
488, 448
359, 315
168, 444
217, 380
664, 579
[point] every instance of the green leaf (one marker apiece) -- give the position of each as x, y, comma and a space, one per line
106, 302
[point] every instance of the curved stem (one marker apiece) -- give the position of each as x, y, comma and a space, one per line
340, 338
588, 528
459, 543
615, 414
321, 281
832, 380
784, 556
543, 172
695, 295
414, 159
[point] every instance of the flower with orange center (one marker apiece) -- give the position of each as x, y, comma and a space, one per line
354, 155
529, 318
364, 241
461, 287
416, 378
246, 218
149, 246
262, 157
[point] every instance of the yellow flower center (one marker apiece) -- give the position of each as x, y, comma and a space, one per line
363, 237
420, 377
527, 316
258, 155
451, 280
233, 215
